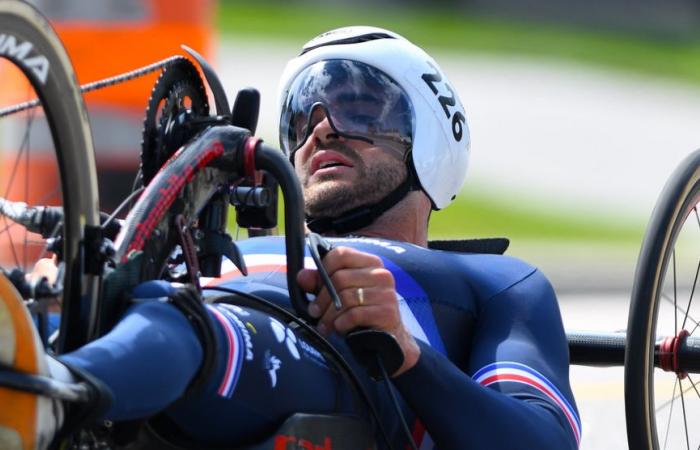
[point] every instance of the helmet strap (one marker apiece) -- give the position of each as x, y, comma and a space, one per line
362, 216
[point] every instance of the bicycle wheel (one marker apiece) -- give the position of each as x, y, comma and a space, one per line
46, 158
661, 357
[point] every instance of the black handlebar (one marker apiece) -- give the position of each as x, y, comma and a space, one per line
276, 163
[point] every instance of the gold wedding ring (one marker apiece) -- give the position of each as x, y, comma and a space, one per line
360, 296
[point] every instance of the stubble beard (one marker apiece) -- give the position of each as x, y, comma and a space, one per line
330, 197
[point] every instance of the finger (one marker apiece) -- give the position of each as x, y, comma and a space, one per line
379, 316
352, 296
309, 280
346, 258
44, 267
348, 279
351, 300
362, 277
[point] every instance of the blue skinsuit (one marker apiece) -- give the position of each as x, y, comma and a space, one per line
493, 371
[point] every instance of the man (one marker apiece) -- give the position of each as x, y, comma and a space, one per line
378, 139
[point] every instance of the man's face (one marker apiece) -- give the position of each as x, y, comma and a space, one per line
339, 174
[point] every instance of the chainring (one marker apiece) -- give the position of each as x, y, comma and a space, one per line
177, 98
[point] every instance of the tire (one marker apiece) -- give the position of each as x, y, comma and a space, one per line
657, 258
47, 67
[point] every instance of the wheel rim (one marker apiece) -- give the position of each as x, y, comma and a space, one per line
675, 394
657, 404
31, 51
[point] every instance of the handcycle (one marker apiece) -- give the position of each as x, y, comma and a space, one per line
198, 180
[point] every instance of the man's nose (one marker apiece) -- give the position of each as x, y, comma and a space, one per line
323, 131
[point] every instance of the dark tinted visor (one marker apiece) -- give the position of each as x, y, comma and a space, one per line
360, 101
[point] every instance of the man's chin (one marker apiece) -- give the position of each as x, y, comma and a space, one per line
330, 198
320, 185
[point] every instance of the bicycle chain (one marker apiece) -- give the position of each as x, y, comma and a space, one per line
106, 82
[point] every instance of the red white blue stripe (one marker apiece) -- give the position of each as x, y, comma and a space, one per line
513, 372
234, 360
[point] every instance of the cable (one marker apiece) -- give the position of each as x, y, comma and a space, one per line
111, 217
395, 401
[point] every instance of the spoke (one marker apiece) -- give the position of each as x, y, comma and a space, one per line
7, 191
669, 402
12, 174
670, 412
694, 387
693, 331
685, 417
9, 225
9, 237
692, 292
22, 146
668, 299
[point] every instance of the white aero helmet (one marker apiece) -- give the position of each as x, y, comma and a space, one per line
420, 109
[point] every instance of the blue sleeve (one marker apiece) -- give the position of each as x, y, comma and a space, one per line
518, 395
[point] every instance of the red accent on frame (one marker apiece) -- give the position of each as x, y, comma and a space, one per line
249, 157
167, 196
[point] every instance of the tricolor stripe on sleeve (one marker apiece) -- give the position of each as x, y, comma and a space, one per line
234, 360
513, 372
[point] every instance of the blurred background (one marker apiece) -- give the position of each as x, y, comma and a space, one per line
579, 112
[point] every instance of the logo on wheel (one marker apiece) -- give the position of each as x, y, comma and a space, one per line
22, 53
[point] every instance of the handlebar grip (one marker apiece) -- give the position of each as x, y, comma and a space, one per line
372, 346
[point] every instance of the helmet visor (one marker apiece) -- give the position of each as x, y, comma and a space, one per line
361, 102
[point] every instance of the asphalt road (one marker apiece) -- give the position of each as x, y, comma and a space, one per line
599, 392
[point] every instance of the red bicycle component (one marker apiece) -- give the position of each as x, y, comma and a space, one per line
249, 159
668, 353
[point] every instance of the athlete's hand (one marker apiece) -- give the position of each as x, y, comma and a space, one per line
351, 270
44, 268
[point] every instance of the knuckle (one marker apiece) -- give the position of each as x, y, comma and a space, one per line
340, 279
374, 260
383, 276
347, 296
351, 318
343, 252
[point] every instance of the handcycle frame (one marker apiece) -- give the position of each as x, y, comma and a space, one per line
223, 155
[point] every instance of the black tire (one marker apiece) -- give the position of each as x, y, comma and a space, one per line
677, 201
48, 68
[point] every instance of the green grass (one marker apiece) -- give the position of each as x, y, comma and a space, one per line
478, 215
459, 32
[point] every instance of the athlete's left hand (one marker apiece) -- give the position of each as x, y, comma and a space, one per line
377, 307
